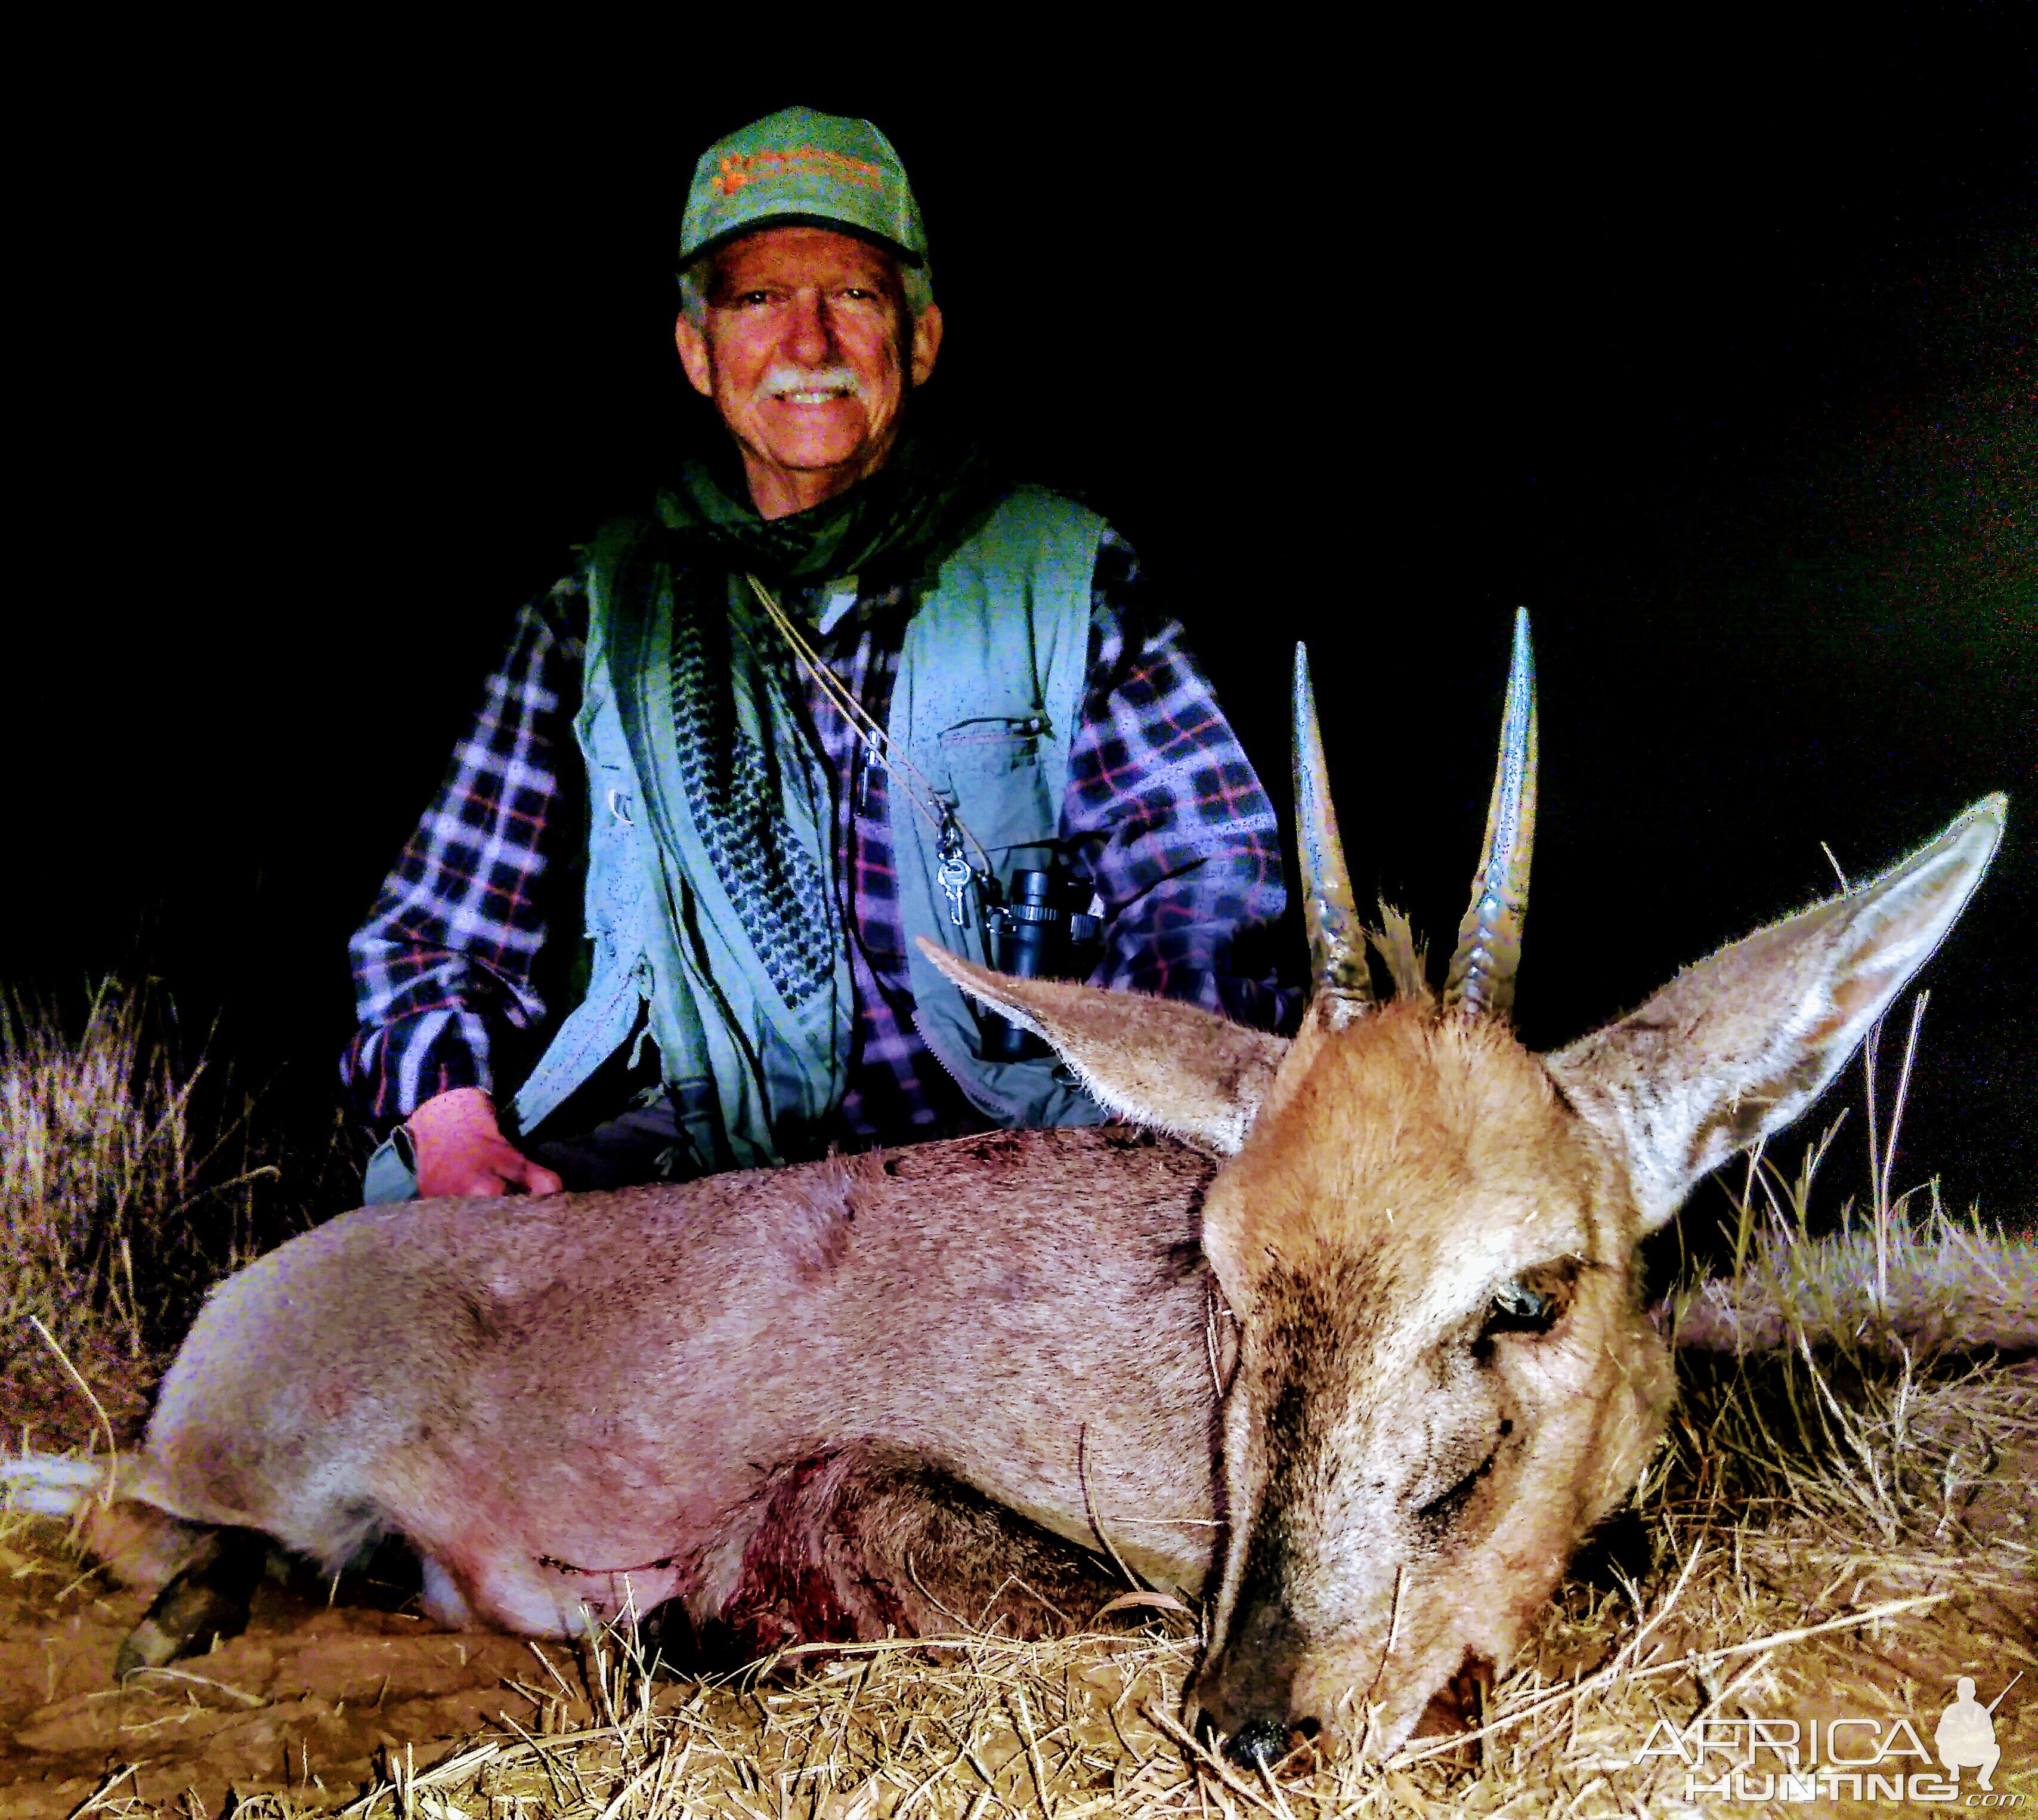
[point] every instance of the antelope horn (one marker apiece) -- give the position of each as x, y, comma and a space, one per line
1481, 981
1338, 971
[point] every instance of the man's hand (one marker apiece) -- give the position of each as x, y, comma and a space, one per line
461, 1149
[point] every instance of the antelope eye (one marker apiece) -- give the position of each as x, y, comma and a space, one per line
1516, 1306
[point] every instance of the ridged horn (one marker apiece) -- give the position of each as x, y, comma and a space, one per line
1481, 981
1338, 971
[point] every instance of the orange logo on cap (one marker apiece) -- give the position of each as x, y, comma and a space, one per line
740, 169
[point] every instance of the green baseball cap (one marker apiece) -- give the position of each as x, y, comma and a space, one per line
796, 167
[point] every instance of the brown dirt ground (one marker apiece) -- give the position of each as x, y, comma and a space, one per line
310, 1697
324, 1683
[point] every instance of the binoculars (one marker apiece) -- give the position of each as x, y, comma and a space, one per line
1038, 935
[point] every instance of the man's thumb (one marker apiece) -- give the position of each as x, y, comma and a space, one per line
536, 1178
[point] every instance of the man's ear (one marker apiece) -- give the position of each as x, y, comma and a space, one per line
1155, 1061
926, 343
1739, 1045
692, 344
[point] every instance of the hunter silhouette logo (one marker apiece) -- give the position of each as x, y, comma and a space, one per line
1966, 1734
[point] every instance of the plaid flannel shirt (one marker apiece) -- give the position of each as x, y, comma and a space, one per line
1163, 812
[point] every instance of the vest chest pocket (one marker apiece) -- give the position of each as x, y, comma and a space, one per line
997, 769
616, 885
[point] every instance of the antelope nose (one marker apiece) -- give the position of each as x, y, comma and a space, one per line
1244, 1690
1258, 1742
1266, 1738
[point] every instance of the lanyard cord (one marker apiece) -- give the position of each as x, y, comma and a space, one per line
939, 815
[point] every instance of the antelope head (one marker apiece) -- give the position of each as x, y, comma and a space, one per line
1427, 1238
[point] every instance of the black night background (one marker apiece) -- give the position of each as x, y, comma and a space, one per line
1717, 351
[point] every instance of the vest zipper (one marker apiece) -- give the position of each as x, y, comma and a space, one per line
971, 1090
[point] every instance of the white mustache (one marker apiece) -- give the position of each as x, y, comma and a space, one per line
782, 380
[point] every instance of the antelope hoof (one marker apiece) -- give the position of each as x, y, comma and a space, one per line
209, 1600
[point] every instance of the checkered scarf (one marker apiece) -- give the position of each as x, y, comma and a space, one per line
755, 788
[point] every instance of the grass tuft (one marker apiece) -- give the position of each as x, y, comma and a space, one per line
129, 1185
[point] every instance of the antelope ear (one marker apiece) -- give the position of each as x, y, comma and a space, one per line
1738, 1046
1155, 1061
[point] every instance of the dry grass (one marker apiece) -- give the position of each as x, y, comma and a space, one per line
129, 1185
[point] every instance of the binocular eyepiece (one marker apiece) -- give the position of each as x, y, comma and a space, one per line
1037, 936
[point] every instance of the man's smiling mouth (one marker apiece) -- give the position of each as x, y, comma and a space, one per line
789, 385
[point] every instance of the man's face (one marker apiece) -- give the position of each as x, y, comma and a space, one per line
807, 355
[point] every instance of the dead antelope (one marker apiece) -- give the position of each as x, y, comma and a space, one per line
1343, 1331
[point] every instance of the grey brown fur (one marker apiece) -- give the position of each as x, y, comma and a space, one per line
610, 1381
